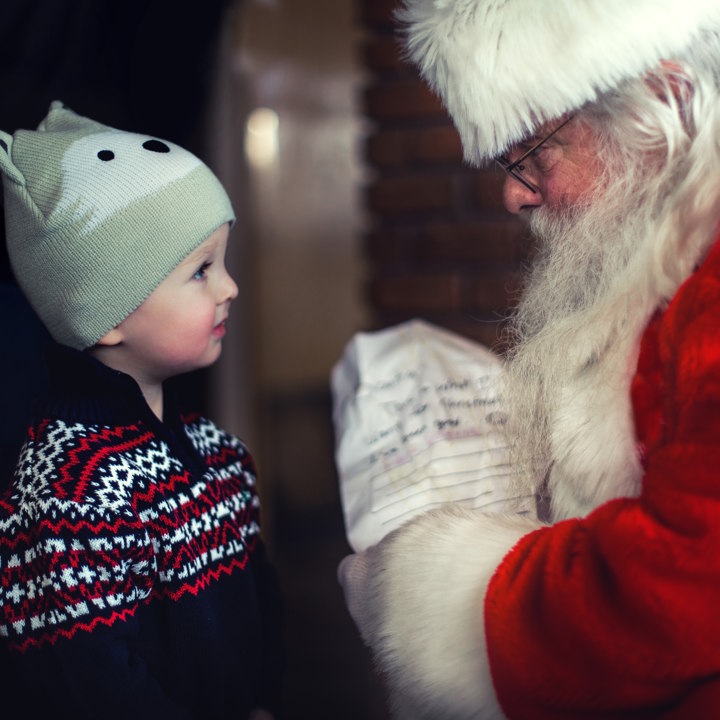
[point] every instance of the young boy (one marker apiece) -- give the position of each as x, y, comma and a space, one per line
133, 580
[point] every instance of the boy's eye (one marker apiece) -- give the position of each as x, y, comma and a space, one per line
201, 271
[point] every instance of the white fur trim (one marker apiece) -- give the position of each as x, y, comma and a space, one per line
429, 581
593, 439
502, 67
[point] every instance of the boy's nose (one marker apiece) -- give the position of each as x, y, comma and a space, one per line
229, 289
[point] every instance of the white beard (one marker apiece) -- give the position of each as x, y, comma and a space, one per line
596, 284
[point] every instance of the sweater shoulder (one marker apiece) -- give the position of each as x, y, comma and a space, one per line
219, 448
77, 462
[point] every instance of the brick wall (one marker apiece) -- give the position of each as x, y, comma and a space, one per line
440, 245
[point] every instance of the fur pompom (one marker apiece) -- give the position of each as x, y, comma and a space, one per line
502, 67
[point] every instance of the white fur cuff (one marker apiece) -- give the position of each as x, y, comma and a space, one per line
429, 581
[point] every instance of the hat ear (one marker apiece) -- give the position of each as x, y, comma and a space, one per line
61, 117
7, 166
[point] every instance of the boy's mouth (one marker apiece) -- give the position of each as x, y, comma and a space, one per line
219, 330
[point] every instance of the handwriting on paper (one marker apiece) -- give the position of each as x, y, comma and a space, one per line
419, 423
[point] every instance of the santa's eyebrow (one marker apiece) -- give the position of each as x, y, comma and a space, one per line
535, 138
545, 134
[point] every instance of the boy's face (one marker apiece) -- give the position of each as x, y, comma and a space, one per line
180, 326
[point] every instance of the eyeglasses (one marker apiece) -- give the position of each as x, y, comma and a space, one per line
516, 168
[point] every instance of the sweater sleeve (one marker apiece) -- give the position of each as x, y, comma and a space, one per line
615, 615
74, 573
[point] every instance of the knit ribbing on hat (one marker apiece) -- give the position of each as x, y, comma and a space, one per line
502, 67
96, 218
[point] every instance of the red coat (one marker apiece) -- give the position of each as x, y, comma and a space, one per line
617, 615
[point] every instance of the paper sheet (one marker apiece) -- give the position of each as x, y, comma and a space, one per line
418, 424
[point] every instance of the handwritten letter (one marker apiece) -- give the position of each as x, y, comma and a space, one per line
418, 424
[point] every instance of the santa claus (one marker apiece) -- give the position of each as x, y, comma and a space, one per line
605, 114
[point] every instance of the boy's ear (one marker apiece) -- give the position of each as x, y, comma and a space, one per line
112, 338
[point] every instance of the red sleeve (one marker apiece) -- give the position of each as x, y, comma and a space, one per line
616, 615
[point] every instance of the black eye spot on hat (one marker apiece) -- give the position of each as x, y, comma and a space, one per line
3, 145
106, 155
156, 146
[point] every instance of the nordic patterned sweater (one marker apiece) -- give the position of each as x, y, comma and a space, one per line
133, 580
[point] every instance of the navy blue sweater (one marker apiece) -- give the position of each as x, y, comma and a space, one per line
133, 580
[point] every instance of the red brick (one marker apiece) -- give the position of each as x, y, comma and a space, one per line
383, 54
424, 146
379, 12
493, 292
408, 193
442, 246
418, 292
484, 242
447, 291
492, 242
487, 188
487, 332
400, 101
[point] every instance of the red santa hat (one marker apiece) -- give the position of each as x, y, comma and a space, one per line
502, 67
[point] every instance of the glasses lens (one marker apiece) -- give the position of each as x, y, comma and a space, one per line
514, 170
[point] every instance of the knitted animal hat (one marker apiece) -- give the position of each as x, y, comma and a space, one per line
96, 218
503, 67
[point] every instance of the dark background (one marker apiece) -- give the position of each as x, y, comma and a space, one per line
143, 66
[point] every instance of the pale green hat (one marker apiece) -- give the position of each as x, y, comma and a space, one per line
96, 218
